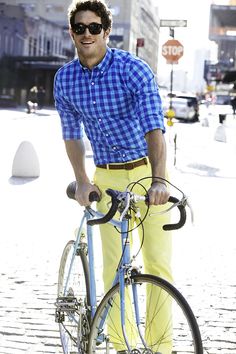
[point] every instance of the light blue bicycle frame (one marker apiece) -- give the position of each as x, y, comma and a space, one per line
119, 276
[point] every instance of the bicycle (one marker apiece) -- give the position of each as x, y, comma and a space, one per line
86, 324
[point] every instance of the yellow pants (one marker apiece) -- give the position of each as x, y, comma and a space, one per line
157, 247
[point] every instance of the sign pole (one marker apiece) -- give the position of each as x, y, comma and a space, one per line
172, 34
171, 85
172, 50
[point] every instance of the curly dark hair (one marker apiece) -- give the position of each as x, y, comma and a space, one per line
97, 6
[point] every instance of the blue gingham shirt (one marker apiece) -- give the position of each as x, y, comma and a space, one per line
116, 104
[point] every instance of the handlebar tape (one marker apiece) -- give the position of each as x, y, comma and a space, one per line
93, 196
182, 220
70, 190
114, 206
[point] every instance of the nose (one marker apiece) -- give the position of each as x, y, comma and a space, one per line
87, 33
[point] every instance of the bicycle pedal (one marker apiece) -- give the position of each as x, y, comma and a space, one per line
66, 303
59, 317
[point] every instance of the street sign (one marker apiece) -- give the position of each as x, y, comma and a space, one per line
172, 50
140, 42
173, 23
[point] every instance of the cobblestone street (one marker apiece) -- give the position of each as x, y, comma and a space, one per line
38, 219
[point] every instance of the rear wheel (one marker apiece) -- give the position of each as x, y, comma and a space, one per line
73, 299
167, 324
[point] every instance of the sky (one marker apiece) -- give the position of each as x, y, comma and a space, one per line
192, 37
195, 12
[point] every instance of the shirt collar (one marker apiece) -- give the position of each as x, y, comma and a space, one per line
104, 64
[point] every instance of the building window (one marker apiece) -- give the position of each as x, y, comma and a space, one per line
6, 44
11, 45
48, 47
30, 45
35, 47
40, 46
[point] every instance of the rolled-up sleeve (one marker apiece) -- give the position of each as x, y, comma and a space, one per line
71, 121
149, 106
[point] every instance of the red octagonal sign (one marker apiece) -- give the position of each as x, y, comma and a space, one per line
172, 50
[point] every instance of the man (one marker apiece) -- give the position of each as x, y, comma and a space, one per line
114, 95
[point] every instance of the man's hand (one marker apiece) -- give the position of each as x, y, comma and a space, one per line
158, 193
82, 192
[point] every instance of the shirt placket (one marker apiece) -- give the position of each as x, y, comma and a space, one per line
102, 126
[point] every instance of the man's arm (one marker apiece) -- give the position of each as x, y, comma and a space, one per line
76, 152
158, 193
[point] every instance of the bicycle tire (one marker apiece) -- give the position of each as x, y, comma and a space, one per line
182, 336
74, 325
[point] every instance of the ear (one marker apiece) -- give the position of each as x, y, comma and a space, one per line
72, 35
107, 33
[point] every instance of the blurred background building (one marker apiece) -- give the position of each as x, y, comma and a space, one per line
32, 48
34, 43
220, 75
136, 28
222, 30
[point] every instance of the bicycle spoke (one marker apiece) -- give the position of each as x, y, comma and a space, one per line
166, 321
72, 302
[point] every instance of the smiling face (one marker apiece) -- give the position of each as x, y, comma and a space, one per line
91, 48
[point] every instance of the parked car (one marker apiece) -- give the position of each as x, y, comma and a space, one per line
186, 106
222, 99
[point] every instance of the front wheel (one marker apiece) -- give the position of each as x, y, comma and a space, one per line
166, 323
73, 302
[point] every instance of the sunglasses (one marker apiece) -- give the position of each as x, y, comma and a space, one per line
80, 28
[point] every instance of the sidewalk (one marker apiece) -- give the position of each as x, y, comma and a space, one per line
38, 219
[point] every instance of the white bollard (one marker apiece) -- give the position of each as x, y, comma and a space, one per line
220, 134
205, 122
26, 162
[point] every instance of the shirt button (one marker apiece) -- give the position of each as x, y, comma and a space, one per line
123, 155
107, 134
94, 102
92, 83
99, 120
114, 147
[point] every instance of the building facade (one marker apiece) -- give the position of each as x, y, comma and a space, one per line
136, 22
222, 30
35, 42
132, 20
32, 48
51, 10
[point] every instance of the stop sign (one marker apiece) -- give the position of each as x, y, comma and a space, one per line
172, 50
